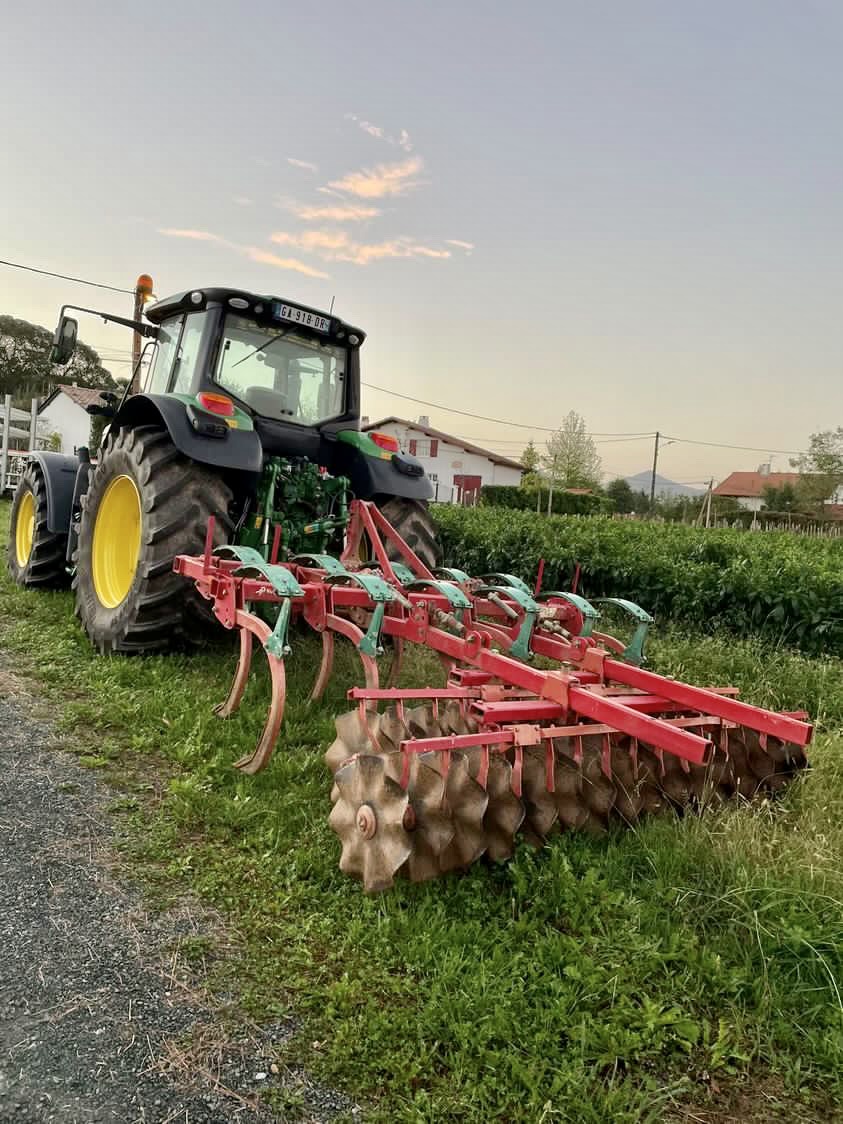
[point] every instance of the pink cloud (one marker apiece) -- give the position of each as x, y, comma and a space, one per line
458, 242
336, 245
306, 165
265, 257
254, 253
347, 212
383, 180
196, 235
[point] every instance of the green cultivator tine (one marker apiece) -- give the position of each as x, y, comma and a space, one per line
456, 598
510, 581
634, 651
381, 593
285, 585
326, 562
589, 613
246, 555
404, 574
452, 574
520, 648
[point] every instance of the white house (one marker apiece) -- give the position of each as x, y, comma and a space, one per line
63, 412
748, 487
457, 468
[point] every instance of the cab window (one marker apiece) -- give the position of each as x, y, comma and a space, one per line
188, 352
158, 378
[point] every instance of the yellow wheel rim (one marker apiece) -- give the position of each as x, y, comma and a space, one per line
25, 528
117, 538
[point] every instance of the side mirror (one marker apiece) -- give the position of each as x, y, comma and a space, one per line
64, 340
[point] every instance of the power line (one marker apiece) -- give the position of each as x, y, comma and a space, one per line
744, 448
65, 277
485, 417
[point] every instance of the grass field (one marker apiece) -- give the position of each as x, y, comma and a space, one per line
689, 970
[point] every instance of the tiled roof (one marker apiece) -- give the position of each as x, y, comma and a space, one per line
750, 485
82, 395
451, 438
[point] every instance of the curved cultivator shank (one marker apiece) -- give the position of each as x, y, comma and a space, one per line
428, 781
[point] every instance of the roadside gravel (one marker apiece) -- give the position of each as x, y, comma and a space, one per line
99, 1023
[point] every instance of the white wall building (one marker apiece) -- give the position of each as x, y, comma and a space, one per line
457, 468
63, 412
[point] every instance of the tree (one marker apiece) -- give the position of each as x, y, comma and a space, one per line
25, 369
531, 461
621, 495
821, 468
785, 498
530, 457
571, 459
98, 424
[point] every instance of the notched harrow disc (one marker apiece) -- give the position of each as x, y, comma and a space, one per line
352, 737
369, 816
430, 822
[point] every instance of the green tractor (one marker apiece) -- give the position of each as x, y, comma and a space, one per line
249, 413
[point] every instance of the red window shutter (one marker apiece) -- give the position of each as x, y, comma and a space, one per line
434, 446
412, 446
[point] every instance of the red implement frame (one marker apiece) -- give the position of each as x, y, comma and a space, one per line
588, 692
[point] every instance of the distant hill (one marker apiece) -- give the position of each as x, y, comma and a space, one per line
640, 482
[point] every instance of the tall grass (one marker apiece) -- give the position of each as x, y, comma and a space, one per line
594, 980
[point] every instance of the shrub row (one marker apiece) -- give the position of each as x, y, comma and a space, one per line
785, 587
527, 499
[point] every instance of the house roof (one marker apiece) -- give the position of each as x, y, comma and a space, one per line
750, 485
82, 395
451, 438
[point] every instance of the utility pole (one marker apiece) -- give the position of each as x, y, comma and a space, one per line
653, 477
143, 291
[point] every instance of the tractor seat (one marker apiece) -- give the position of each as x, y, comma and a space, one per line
269, 403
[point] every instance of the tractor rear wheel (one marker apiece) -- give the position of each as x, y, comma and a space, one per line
413, 522
146, 503
36, 555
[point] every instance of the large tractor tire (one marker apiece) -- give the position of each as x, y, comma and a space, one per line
413, 522
36, 555
146, 503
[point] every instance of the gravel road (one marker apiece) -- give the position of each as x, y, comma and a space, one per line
98, 1023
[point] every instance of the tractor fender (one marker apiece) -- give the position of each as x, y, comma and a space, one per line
374, 476
239, 449
59, 471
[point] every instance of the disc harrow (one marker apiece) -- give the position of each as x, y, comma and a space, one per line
543, 724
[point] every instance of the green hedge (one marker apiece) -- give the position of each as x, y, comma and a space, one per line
526, 499
785, 587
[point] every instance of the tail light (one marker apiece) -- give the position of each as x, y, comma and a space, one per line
216, 404
386, 441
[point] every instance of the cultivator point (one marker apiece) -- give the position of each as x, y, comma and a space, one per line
427, 781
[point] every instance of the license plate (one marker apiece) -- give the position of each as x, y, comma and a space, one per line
303, 317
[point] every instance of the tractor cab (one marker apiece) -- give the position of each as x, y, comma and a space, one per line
276, 360
289, 372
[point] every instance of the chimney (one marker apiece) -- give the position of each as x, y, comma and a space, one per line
764, 469
364, 421
424, 421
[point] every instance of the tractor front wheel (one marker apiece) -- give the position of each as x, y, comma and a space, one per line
413, 522
146, 503
36, 554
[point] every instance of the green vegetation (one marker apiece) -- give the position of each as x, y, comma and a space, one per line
683, 964
535, 498
776, 585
